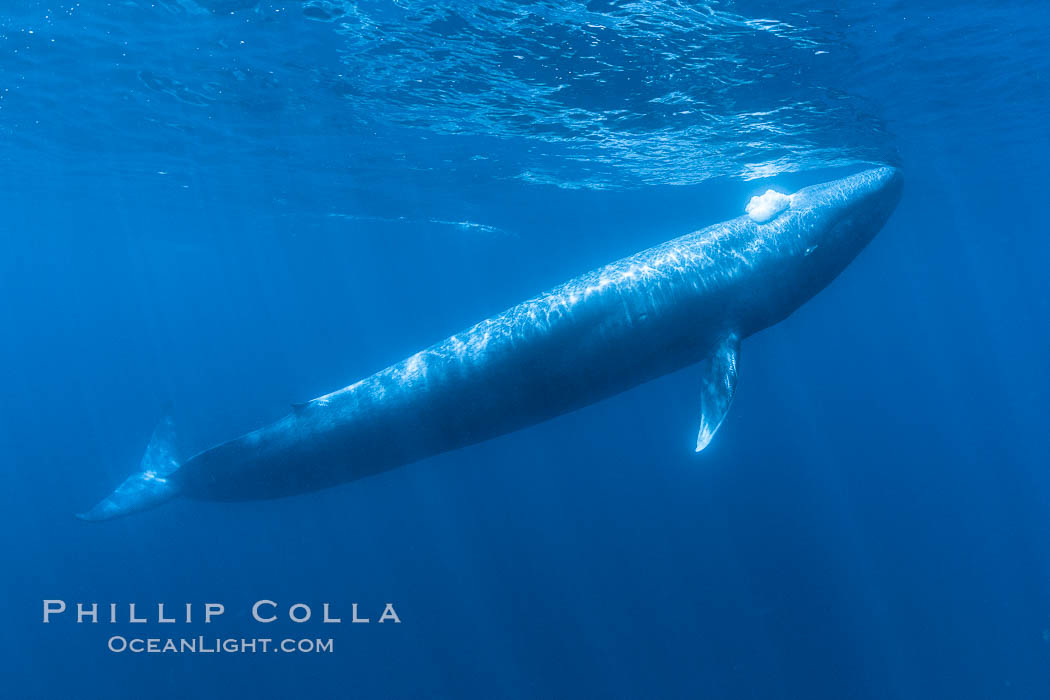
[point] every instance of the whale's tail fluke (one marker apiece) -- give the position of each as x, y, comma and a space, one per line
148, 487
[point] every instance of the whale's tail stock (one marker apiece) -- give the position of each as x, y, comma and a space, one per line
148, 487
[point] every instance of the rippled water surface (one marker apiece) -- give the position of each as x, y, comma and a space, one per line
598, 94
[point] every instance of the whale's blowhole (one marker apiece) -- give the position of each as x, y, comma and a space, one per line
768, 206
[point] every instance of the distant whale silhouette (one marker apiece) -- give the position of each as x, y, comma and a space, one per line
689, 300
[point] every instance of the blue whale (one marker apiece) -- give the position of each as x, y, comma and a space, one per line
689, 300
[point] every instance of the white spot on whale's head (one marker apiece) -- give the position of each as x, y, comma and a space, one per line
767, 206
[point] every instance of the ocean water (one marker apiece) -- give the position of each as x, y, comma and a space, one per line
214, 208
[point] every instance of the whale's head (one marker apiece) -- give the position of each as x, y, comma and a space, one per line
842, 216
802, 241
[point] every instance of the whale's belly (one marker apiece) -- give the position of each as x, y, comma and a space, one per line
538, 360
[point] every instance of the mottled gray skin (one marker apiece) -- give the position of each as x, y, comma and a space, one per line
594, 336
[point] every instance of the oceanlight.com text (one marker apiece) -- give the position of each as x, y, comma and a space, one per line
217, 645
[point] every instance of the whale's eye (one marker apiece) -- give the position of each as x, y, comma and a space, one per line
766, 207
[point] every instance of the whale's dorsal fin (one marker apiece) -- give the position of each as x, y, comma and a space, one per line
298, 407
718, 385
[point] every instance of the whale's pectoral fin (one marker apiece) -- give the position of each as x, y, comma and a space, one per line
717, 389
147, 487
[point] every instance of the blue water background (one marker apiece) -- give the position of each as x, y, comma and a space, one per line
218, 209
